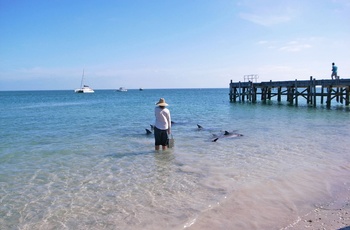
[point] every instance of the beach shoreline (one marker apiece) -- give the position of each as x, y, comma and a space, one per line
275, 205
335, 215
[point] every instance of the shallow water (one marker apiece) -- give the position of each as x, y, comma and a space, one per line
74, 161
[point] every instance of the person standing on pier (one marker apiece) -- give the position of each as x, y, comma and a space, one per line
162, 125
334, 71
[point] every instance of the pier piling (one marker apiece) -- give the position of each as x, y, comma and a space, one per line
311, 90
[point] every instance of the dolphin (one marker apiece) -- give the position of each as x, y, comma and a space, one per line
148, 132
226, 135
200, 128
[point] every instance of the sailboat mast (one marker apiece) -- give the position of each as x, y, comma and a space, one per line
82, 80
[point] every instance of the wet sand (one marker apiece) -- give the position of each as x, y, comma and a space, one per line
282, 205
333, 216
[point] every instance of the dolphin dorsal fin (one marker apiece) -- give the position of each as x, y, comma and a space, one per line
148, 131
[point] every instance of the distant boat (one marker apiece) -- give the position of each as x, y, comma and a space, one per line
122, 89
141, 89
84, 88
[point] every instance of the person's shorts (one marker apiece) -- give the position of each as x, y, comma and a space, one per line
160, 136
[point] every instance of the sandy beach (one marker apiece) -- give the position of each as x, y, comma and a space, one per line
333, 216
281, 208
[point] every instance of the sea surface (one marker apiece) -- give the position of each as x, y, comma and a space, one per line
84, 161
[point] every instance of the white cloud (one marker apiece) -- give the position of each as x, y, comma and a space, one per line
291, 46
295, 46
265, 20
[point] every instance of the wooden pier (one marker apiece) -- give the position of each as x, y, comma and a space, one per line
310, 90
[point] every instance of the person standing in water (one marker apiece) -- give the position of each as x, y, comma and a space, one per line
162, 125
334, 71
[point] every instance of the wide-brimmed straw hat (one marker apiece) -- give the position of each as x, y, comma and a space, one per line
161, 102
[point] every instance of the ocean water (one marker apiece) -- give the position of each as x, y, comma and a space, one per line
84, 161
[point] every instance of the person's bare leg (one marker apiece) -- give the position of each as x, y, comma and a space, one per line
164, 147
156, 147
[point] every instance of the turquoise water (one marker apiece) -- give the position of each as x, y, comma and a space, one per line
84, 161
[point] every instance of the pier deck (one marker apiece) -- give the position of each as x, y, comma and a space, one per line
338, 89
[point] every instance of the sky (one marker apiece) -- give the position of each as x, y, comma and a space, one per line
47, 44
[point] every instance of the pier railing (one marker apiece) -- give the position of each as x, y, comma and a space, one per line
310, 90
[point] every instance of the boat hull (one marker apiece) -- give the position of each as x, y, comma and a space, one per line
84, 90
122, 89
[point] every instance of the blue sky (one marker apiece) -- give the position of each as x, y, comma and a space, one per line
169, 43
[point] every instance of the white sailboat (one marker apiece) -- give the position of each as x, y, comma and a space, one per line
84, 88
